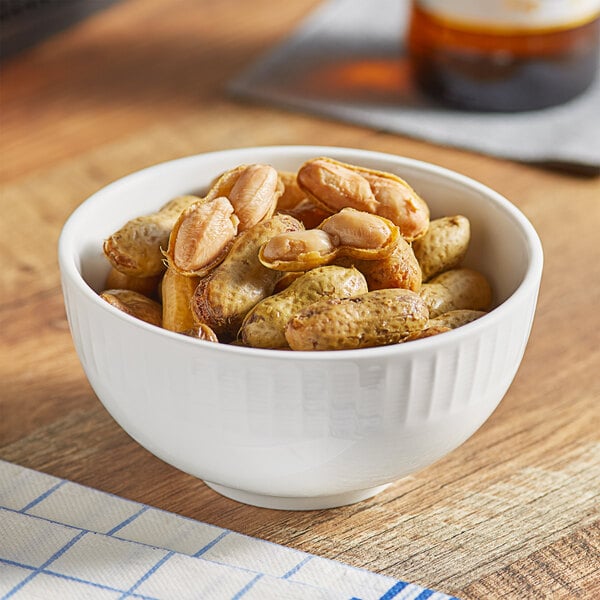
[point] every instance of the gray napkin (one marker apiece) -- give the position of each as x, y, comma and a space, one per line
347, 61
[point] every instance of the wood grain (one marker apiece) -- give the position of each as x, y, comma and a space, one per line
513, 513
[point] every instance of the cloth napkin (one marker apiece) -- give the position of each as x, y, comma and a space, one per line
348, 61
61, 540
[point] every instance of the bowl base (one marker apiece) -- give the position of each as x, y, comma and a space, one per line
296, 503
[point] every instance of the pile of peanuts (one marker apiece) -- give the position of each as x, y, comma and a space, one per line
332, 257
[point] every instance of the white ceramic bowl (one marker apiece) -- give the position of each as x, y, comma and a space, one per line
300, 430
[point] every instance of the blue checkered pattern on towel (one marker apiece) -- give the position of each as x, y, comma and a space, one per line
61, 540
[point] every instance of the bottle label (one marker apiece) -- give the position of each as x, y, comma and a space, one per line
513, 14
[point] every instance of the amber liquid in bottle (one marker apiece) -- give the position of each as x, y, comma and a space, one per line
501, 70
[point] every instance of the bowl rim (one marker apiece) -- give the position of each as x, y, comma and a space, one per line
528, 287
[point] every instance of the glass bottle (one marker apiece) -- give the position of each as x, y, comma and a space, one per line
504, 55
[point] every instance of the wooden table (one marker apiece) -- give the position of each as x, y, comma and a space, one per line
513, 513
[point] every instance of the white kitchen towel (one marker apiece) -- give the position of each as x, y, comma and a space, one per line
60, 540
348, 61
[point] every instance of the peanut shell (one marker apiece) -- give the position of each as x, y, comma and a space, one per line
398, 270
148, 286
135, 304
136, 248
202, 236
444, 245
264, 326
177, 291
456, 289
224, 297
335, 185
456, 318
377, 318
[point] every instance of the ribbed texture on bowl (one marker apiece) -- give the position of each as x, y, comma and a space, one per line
295, 427
301, 425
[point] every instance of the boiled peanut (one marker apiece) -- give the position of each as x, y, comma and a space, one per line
298, 250
294, 202
444, 245
456, 289
115, 280
135, 304
426, 332
456, 318
368, 236
399, 203
225, 295
202, 236
135, 249
398, 270
285, 280
292, 193
308, 213
446, 322
177, 291
335, 185
264, 326
253, 191
349, 232
223, 183
201, 331
376, 318
254, 195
